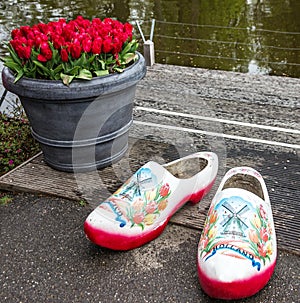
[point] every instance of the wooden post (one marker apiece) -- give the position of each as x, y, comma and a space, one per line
149, 53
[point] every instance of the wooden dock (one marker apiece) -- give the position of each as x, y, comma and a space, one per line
246, 119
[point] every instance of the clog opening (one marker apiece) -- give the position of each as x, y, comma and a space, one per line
187, 168
246, 182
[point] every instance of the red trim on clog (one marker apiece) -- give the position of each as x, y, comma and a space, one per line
122, 242
237, 289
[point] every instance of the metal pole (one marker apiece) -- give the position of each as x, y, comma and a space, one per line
141, 32
3, 97
152, 29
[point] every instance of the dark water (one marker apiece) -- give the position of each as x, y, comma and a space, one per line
257, 36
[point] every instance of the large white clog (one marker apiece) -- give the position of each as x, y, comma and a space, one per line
140, 209
237, 250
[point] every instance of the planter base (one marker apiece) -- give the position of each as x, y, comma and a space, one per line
84, 167
84, 155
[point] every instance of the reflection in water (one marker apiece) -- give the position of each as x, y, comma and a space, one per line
260, 36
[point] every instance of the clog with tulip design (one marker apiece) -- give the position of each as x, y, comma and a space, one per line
141, 208
237, 249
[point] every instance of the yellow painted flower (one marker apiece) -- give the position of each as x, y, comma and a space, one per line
269, 248
256, 221
150, 195
213, 232
149, 219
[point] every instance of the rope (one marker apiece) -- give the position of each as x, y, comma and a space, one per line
233, 43
230, 27
226, 58
226, 42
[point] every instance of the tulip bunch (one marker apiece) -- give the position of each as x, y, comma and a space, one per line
64, 50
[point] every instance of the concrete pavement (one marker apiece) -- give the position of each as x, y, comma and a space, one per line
45, 257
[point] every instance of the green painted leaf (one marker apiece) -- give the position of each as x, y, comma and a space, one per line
141, 225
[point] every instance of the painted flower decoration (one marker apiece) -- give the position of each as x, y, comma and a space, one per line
260, 235
146, 208
64, 50
210, 230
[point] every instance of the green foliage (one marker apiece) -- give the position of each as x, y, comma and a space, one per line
82, 202
16, 145
85, 67
5, 199
88, 66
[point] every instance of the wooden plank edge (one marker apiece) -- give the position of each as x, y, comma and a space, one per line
26, 189
20, 166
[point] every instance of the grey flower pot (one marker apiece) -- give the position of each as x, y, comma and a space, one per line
84, 126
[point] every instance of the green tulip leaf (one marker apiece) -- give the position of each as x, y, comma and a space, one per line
42, 67
100, 73
119, 69
19, 76
129, 57
67, 79
85, 74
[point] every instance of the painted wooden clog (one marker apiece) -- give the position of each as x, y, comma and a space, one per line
237, 250
141, 208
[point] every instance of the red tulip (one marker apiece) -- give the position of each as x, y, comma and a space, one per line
75, 50
264, 234
164, 190
41, 58
107, 45
64, 55
46, 51
97, 46
87, 45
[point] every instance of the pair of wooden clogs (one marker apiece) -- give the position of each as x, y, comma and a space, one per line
237, 249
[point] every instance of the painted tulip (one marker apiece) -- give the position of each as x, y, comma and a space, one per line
149, 219
138, 218
164, 190
253, 236
151, 207
162, 205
